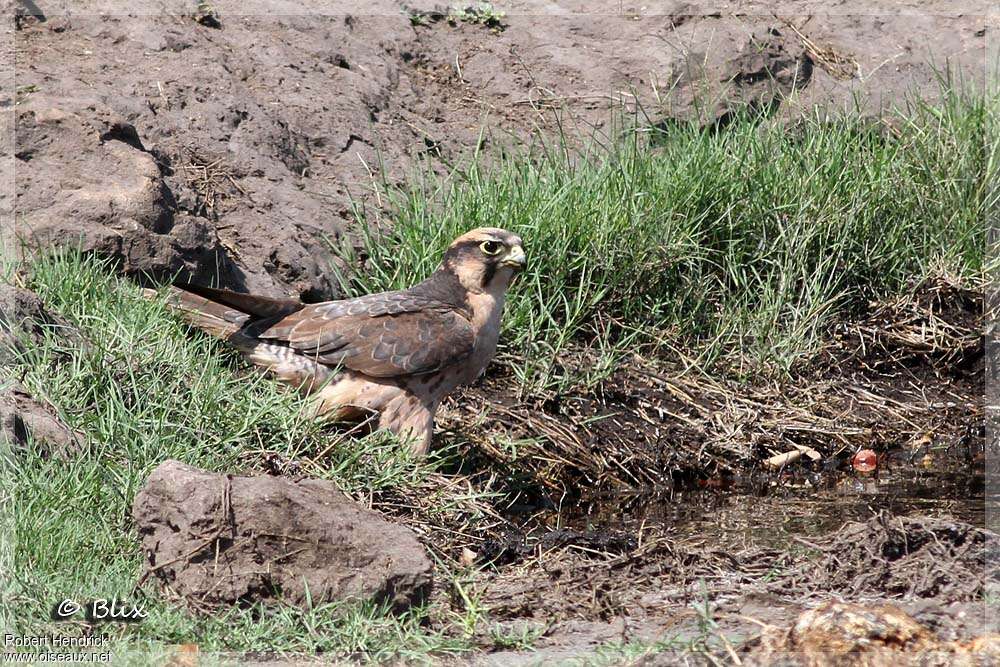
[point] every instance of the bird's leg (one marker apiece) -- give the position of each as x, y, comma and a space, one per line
410, 419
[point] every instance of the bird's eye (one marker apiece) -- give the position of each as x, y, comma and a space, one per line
491, 248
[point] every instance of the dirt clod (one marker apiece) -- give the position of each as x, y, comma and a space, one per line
127, 213
25, 419
23, 315
842, 633
220, 539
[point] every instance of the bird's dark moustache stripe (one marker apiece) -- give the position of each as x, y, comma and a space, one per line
491, 270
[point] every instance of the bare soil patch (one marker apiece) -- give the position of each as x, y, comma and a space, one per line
238, 144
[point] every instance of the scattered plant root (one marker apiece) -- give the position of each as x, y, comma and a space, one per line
913, 366
893, 556
940, 324
446, 511
836, 64
565, 583
514, 545
211, 181
888, 557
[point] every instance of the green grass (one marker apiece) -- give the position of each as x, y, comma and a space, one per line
737, 246
480, 13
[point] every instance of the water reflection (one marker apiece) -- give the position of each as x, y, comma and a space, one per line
773, 511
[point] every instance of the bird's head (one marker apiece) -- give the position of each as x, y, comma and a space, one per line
485, 259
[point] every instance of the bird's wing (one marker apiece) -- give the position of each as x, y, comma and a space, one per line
381, 335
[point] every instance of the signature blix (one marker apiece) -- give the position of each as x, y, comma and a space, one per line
99, 610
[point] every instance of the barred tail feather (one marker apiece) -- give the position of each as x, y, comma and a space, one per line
224, 322
213, 318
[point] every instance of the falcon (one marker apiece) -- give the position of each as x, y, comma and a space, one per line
395, 354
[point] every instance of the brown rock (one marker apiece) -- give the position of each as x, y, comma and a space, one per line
878, 635
24, 318
216, 538
986, 645
24, 419
840, 627
85, 179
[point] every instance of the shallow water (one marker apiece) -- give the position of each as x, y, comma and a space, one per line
782, 511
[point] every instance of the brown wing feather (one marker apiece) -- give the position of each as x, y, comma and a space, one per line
381, 335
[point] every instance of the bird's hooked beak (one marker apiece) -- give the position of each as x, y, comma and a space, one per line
515, 258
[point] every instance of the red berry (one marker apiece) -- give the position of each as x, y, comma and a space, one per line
865, 461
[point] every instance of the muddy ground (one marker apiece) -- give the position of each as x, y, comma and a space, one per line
231, 146
711, 542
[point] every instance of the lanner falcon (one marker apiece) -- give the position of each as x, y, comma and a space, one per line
397, 354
